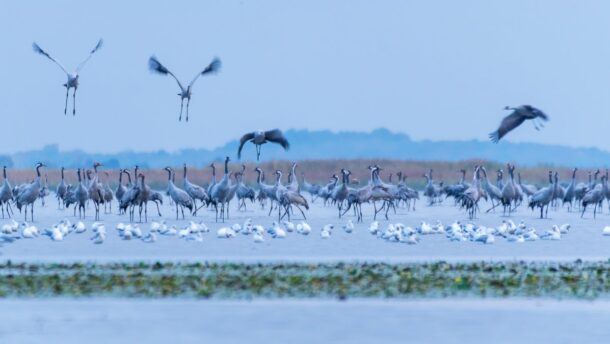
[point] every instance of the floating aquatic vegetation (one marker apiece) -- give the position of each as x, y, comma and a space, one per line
305, 280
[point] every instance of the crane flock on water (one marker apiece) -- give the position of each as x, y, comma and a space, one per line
288, 200
290, 197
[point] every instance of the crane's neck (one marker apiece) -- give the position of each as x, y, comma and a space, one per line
38, 171
120, 177
258, 177
184, 174
4, 172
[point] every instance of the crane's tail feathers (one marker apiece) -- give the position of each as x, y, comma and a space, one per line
155, 66
495, 137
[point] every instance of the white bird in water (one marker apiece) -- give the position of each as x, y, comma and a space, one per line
412, 239
349, 226
99, 238
72, 77
247, 227
606, 230
157, 226
79, 227
374, 228
29, 231
553, 234
185, 93
258, 234
225, 233
425, 228
326, 231
150, 237
55, 233
303, 228
290, 227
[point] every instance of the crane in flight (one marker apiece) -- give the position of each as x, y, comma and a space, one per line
260, 137
185, 93
518, 115
72, 77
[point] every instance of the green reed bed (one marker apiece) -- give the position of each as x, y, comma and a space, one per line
300, 280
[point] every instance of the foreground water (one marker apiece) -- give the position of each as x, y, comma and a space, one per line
444, 306
298, 321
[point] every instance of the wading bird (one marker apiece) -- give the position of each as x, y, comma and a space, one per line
72, 77
185, 93
516, 118
260, 138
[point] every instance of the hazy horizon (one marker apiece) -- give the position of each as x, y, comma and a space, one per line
433, 70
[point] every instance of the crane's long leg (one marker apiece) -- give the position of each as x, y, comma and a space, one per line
181, 107
74, 102
158, 210
302, 213
188, 101
66, 107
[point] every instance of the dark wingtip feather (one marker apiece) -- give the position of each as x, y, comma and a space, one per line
213, 67
36, 48
155, 66
494, 137
99, 44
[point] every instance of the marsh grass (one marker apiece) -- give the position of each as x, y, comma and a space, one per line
581, 280
318, 171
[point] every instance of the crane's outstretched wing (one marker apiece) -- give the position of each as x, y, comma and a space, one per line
44, 53
509, 123
213, 67
155, 66
97, 47
247, 137
277, 136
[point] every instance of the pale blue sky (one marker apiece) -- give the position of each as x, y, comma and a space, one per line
432, 69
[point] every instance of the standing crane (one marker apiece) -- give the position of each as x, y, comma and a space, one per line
29, 193
180, 197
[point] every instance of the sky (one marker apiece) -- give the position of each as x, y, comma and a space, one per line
431, 69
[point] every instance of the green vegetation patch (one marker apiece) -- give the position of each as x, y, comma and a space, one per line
578, 279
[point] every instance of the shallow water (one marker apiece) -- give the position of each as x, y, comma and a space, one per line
309, 321
97, 320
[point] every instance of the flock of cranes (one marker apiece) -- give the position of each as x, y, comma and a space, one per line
286, 199
153, 64
517, 116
